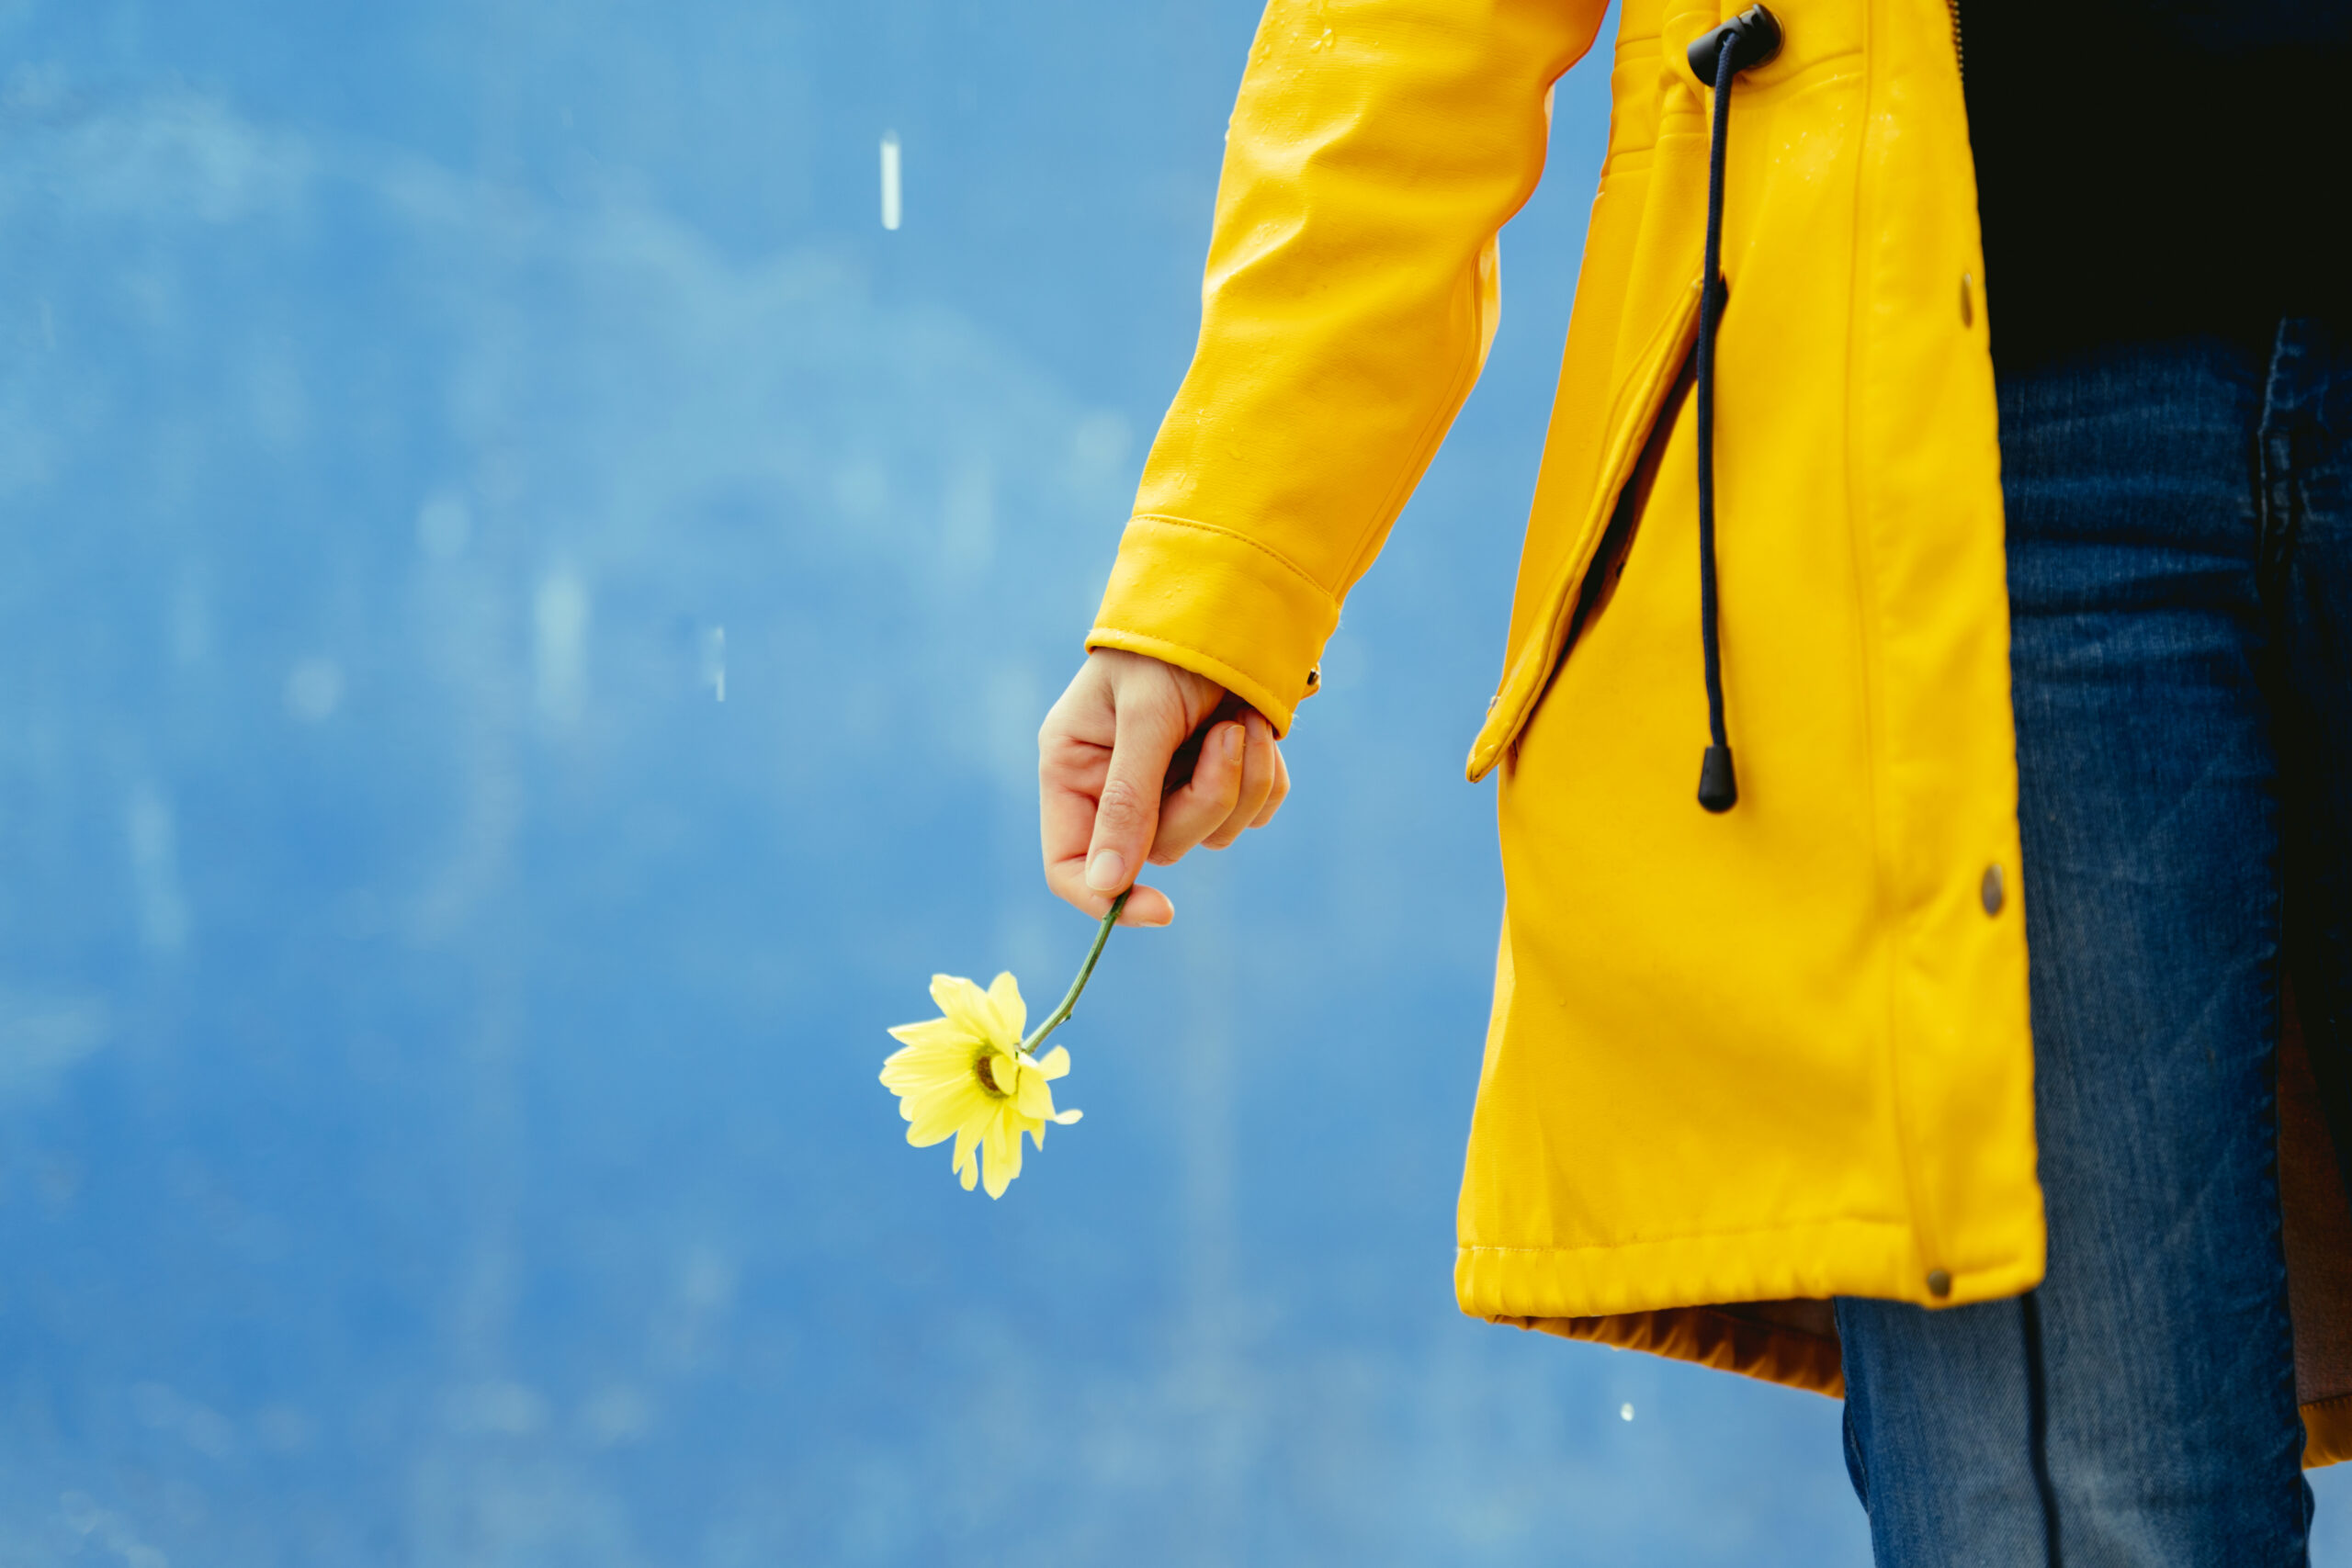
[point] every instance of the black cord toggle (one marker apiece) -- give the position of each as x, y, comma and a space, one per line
1754, 36
1718, 55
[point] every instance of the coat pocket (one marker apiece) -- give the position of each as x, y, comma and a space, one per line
1598, 583
1643, 414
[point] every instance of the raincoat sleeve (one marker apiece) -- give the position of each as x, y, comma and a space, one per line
1377, 148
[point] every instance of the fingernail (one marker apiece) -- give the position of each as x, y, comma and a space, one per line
1163, 920
1106, 872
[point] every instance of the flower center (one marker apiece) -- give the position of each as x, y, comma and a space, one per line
985, 1068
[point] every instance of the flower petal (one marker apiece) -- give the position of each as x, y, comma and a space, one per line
933, 1056
965, 1004
1067, 1117
925, 1074
1003, 1156
934, 1033
929, 1074
924, 1132
936, 1116
1005, 992
1035, 1100
1055, 1063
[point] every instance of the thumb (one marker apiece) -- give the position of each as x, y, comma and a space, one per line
1127, 814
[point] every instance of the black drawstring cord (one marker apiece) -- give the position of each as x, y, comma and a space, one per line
1748, 39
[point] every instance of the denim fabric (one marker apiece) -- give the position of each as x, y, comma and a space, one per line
2180, 577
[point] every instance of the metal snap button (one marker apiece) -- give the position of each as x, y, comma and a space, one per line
1989, 890
1938, 1283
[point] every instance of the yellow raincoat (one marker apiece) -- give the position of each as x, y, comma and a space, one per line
1739, 1064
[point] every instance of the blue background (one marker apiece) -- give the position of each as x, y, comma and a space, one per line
437, 1033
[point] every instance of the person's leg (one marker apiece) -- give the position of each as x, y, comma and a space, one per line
2138, 1407
1943, 1428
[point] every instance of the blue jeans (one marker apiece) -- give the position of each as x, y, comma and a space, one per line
2180, 579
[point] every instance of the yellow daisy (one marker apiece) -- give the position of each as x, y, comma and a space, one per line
965, 1075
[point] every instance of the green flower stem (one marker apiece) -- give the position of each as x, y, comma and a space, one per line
1060, 1015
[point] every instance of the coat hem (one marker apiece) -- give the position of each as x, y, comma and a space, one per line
1809, 1261
1723, 1338
2327, 1431
1719, 1300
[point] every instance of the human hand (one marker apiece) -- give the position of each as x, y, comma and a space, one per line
1140, 760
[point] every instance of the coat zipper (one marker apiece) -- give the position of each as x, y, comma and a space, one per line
1959, 52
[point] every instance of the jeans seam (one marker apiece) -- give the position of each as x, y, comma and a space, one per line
2278, 510
2038, 1426
1858, 1469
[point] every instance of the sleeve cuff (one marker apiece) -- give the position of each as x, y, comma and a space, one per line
1209, 600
